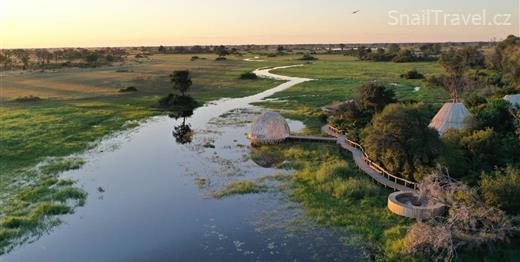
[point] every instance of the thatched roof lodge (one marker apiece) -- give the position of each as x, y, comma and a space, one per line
269, 128
513, 99
451, 116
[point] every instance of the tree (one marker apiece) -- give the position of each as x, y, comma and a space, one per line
342, 47
455, 64
496, 114
349, 118
280, 49
502, 189
375, 96
221, 51
473, 58
394, 49
161, 49
5, 58
92, 58
399, 137
181, 81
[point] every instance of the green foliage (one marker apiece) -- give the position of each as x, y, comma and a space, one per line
412, 74
334, 192
350, 119
248, 76
375, 96
308, 57
29, 98
181, 81
240, 188
502, 189
128, 89
495, 114
467, 153
400, 138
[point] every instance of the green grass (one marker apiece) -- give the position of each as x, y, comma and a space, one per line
240, 188
337, 78
334, 192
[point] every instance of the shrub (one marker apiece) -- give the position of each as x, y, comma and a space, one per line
220, 58
308, 57
29, 98
399, 137
128, 89
412, 74
502, 190
248, 76
193, 58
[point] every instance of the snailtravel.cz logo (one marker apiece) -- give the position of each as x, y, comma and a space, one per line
437, 17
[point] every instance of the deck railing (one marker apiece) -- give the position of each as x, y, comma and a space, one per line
376, 167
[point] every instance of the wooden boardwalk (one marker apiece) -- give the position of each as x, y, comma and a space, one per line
376, 172
312, 139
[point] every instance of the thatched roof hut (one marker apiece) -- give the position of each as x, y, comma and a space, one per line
269, 128
513, 99
451, 115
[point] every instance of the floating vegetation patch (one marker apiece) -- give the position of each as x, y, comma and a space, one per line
35, 209
240, 188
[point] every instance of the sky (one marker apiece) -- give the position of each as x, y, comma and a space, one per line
98, 23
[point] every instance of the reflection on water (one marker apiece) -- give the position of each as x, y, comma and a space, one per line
153, 209
183, 133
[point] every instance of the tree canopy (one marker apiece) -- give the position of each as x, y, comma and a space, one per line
181, 81
375, 96
400, 138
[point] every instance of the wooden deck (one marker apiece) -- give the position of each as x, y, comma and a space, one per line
312, 139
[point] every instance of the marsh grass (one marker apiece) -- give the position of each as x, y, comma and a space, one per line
332, 191
240, 188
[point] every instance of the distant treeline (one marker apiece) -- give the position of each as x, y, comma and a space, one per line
42, 59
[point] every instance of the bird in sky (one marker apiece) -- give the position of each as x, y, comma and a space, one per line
355, 12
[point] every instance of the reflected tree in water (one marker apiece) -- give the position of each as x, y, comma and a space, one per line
183, 133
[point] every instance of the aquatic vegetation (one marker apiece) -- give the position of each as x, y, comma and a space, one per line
334, 192
35, 208
240, 188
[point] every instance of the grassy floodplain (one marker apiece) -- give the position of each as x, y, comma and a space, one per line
77, 108
337, 78
80, 106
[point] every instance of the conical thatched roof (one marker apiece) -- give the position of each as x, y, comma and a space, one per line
451, 115
513, 99
268, 128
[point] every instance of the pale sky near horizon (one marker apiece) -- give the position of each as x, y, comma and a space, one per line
87, 23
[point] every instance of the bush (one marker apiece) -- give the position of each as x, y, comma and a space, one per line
29, 98
248, 76
502, 190
436, 80
220, 58
128, 89
399, 137
193, 58
308, 57
176, 100
412, 74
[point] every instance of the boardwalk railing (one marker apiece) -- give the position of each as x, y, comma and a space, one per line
376, 167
